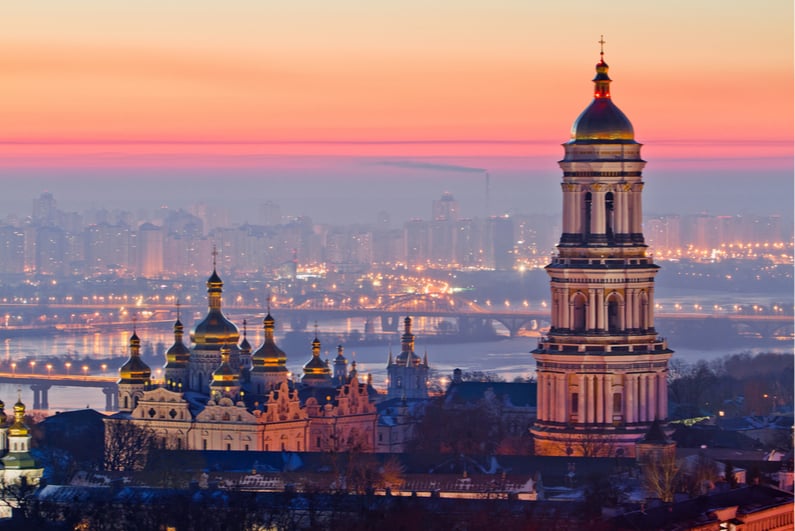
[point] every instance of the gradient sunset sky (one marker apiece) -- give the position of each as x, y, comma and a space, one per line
256, 85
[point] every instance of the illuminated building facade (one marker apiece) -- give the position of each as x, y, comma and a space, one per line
602, 368
217, 395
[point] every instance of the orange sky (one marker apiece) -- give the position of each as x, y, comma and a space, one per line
209, 81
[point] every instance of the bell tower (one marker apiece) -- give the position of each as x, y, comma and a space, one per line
602, 369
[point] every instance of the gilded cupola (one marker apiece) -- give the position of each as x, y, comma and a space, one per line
18, 428
602, 121
178, 355
215, 329
316, 370
134, 370
224, 377
269, 357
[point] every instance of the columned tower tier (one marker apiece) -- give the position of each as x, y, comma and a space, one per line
602, 370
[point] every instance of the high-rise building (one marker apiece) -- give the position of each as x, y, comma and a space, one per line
12, 250
602, 368
150, 250
45, 211
445, 209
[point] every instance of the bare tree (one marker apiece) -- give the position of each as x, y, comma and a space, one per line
127, 445
16, 494
661, 474
587, 444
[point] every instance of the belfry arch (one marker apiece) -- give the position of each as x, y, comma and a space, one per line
579, 312
615, 313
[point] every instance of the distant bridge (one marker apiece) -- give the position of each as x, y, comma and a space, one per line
470, 316
40, 384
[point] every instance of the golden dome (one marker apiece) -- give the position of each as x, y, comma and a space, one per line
179, 354
602, 120
316, 368
134, 370
18, 428
224, 375
269, 357
215, 329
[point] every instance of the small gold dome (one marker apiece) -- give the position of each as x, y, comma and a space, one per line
224, 375
315, 367
269, 357
602, 120
18, 428
134, 370
178, 354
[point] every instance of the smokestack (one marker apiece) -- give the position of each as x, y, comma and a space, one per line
488, 195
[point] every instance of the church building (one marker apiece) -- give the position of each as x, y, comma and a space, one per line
217, 395
602, 368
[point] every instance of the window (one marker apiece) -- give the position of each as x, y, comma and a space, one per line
575, 403
204, 444
617, 403
587, 215
228, 447
613, 321
609, 214
578, 310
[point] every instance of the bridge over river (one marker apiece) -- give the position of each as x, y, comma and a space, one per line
469, 316
40, 384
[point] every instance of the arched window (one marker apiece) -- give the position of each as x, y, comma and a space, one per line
578, 312
609, 215
643, 312
614, 321
586, 220
617, 403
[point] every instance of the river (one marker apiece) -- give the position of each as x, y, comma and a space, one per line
508, 357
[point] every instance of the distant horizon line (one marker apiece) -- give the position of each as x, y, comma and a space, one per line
399, 141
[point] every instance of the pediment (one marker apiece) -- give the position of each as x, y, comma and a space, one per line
160, 394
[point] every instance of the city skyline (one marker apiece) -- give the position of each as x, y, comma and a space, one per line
324, 108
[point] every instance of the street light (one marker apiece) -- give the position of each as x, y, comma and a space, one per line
104, 367
68, 365
49, 369
33, 367
85, 371
14, 367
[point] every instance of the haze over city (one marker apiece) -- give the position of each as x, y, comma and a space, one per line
338, 111
469, 264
